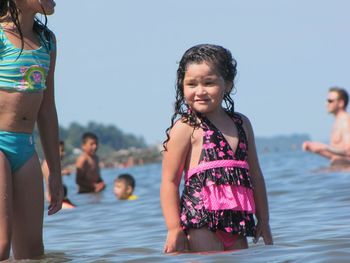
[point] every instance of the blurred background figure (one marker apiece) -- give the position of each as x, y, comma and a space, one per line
124, 186
338, 150
66, 204
88, 176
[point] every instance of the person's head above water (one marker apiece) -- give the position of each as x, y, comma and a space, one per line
124, 186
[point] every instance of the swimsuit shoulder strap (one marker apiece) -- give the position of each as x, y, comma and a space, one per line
237, 118
208, 131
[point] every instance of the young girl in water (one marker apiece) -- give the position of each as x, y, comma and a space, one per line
27, 64
214, 147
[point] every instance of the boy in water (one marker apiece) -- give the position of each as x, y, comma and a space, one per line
124, 187
66, 203
88, 175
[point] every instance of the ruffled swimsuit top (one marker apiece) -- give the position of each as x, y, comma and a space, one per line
218, 193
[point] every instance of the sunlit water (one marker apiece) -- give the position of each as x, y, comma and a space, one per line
309, 210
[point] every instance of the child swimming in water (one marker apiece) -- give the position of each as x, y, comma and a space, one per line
214, 147
124, 187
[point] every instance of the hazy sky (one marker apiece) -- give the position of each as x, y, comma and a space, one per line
117, 60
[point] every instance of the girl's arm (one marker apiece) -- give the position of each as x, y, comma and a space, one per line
260, 196
174, 160
48, 129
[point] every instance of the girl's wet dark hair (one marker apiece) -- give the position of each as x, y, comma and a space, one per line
217, 57
9, 8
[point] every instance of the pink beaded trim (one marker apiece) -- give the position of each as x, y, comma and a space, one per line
216, 164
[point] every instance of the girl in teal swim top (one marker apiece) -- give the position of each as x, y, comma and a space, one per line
27, 64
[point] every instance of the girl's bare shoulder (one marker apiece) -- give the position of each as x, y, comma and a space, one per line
182, 128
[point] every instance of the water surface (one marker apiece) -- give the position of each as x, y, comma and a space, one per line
309, 210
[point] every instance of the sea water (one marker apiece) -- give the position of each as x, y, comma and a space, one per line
309, 217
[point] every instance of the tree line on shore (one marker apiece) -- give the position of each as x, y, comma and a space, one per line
117, 147
111, 139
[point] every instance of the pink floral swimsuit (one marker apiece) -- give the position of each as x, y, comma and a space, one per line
218, 193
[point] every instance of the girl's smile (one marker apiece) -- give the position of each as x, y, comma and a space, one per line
204, 88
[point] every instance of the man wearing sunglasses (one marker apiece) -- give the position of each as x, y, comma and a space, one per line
338, 151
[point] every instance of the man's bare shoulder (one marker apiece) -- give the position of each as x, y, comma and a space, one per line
347, 122
343, 122
348, 117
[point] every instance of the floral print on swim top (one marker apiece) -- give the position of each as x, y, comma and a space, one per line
218, 193
24, 70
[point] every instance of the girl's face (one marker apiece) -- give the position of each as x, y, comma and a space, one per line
204, 88
36, 6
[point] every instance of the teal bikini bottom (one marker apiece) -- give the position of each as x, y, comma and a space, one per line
17, 147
